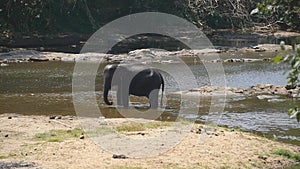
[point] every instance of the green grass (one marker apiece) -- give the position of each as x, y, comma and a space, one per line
288, 154
141, 126
3, 157
185, 121
99, 131
59, 135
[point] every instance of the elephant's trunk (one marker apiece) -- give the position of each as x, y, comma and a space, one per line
162, 90
105, 94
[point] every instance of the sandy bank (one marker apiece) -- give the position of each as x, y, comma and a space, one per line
22, 141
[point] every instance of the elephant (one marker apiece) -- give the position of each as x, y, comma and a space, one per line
132, 79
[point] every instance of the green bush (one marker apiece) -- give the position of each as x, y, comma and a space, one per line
293, 76
286, 13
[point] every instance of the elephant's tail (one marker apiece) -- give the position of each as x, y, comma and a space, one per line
162, 90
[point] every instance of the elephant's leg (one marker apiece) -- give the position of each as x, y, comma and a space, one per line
119, 98
153, 98
126, 101
123, 97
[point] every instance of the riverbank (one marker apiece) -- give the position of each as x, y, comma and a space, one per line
58, 142
73, 43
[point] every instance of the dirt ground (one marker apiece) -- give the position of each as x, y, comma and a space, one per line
23, 142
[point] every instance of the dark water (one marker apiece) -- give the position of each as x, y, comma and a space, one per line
46, 88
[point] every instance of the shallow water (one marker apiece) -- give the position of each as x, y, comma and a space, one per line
46, 88
261, 116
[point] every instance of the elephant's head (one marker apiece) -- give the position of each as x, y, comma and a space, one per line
108, 75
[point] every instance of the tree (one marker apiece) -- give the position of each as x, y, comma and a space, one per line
285, 13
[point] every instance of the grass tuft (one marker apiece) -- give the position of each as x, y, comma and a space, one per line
99, 131
59, 135
3, 157
141, 126
288, 154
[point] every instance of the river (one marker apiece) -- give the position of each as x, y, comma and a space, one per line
45, 88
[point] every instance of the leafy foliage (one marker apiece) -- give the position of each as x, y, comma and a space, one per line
46, 17
294, 112
28, 17
223, 13
293, 76
294, 62
286, 13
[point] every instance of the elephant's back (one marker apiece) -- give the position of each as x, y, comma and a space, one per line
145, 81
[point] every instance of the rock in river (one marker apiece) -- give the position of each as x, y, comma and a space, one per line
38, 59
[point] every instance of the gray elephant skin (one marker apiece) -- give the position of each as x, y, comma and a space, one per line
132, 79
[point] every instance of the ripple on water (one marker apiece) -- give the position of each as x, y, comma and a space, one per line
267, 123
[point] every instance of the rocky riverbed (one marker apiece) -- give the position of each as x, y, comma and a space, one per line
144, 55
262, 91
